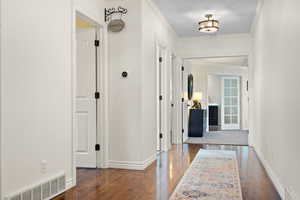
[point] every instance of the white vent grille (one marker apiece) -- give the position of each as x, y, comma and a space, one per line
37, 193
42, 191
46, 190
27, 195
16, 197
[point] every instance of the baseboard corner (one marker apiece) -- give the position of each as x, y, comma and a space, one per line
132, 165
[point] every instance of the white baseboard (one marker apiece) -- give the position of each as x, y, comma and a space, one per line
273, 176
290, 194
132, 165
69, 184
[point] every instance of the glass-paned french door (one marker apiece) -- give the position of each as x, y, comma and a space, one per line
230, 102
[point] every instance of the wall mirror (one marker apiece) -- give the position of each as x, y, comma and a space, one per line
190, 86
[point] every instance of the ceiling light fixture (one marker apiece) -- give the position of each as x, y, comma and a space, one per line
210, 25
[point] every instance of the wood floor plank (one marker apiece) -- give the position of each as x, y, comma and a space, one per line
159, 180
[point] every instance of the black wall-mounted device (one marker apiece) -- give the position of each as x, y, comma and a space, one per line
124, 74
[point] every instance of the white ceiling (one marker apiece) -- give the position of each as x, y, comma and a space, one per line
237, 61
235, 16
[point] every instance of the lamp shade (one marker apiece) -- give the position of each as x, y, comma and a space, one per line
210, 25
197, 96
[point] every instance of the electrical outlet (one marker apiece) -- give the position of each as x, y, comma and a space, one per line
44, 164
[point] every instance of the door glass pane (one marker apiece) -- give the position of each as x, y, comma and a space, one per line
231, 101
227, 119
234, 101
227, 92
234, 83
234, 92
227, 83
227, 100
234, 110
227, 110
234, 119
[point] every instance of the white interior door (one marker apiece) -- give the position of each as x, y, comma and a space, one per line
85, 99
185, 106
160, 103
230, 103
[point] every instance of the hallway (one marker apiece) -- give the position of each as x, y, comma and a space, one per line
160, 179
105, 85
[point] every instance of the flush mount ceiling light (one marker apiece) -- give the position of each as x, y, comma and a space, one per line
210, 25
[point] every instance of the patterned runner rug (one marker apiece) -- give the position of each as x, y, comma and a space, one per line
213, 175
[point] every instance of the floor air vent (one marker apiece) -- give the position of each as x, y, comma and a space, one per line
43, 191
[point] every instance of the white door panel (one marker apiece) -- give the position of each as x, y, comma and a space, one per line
85, 100
185, 106
230, 103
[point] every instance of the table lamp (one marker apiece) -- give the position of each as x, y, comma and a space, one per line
197, 97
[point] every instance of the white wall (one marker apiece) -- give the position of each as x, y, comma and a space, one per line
275, 96
214, 92
155, 31
132, 108
36, 90
214, 46
201, 72
125, 93
214, 89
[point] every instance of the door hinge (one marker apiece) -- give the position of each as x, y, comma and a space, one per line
160, 98
160, 59
172, 104
97, 147
182, 99
160, 135
182, 130
97, 95
97, 43
182, 68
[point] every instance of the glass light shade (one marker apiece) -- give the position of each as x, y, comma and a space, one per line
209, 26
197, 96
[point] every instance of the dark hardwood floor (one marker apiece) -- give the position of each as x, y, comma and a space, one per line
159, 180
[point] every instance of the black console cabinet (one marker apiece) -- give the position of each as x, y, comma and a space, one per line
196, 122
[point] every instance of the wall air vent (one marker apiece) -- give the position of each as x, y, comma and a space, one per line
42, 191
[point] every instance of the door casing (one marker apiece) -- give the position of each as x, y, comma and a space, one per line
237, 125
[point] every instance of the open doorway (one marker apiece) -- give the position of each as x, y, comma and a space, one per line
221, 88
86, 93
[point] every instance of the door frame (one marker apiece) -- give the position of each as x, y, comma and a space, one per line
102, 103
201, 55
160, 52
163, 51
239, 102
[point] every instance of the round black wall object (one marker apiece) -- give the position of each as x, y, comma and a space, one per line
124, 74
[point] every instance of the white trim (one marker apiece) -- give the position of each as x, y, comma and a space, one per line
259, 7
102, 81
177, 101
273, 176
162, 18
69, 184
161, 89
230, 126
291, 195
1, 145
132, 165
209, 55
